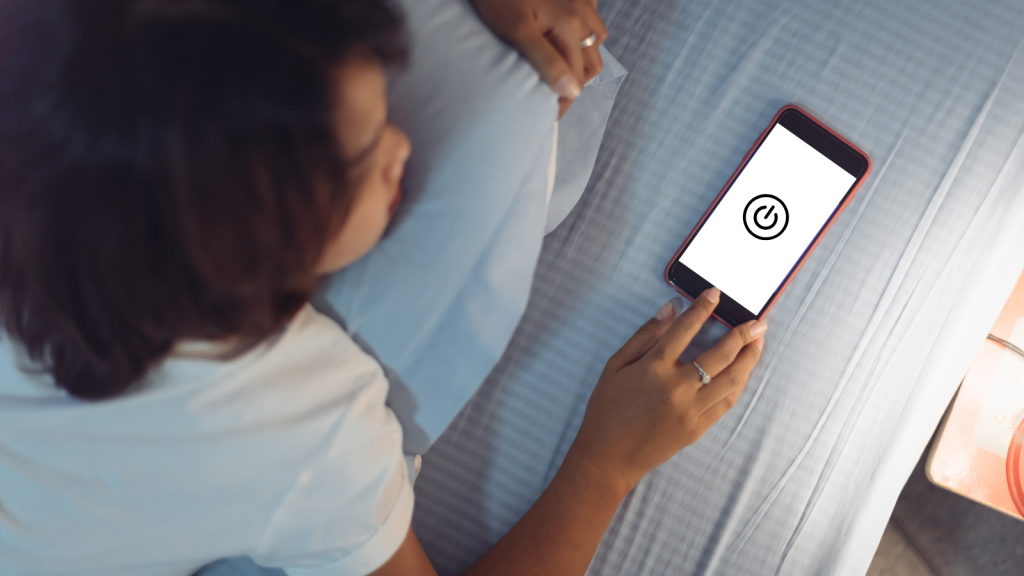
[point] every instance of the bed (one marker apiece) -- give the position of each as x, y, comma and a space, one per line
866, 347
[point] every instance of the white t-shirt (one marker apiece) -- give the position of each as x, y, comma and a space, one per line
286, 453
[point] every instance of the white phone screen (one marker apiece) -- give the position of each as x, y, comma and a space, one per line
767, 219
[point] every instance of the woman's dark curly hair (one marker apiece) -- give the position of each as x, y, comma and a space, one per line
168, 169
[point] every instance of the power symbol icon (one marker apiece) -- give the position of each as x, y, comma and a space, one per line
757, 217
766, 217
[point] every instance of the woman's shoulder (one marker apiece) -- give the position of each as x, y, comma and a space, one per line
310, 362
286, 444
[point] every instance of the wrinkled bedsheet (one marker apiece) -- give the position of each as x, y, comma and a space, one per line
865, 348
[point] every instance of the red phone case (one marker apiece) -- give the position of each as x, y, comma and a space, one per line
728, 184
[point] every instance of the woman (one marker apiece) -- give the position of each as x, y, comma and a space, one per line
175, 175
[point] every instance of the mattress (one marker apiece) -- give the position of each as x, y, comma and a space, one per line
865, 348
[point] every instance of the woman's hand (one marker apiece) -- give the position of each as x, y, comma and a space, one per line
549, 34
645, 408
647, 405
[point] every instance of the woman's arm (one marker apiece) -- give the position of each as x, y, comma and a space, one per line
645, 408
558, 535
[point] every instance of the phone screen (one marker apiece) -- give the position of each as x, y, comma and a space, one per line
763, 224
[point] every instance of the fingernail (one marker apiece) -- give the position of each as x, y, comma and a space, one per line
568, 87
664, 311
759, 343
677, 304
758, 328
711, 295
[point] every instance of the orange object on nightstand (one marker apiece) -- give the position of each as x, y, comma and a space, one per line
969, 456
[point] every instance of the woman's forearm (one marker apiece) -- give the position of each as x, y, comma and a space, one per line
645, 407
559, 534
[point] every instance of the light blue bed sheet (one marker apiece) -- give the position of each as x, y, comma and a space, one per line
864, 350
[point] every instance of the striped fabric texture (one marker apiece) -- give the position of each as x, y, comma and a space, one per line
864, 350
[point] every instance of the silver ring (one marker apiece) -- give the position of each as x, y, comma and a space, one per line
703, 375
589, 41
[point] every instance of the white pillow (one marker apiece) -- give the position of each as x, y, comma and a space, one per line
438, 299
580, 133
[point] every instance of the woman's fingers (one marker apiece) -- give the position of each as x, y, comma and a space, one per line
592, 63
730, 382
592, 22
592, 66
549, 34
570, 23
564, 33
554, 69
646, 337
724, 352
685, 327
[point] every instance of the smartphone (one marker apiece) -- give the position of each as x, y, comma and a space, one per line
769, 216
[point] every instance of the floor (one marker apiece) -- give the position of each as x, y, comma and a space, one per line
933, 532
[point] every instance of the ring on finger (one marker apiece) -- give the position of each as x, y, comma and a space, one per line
704, 378
589, 41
